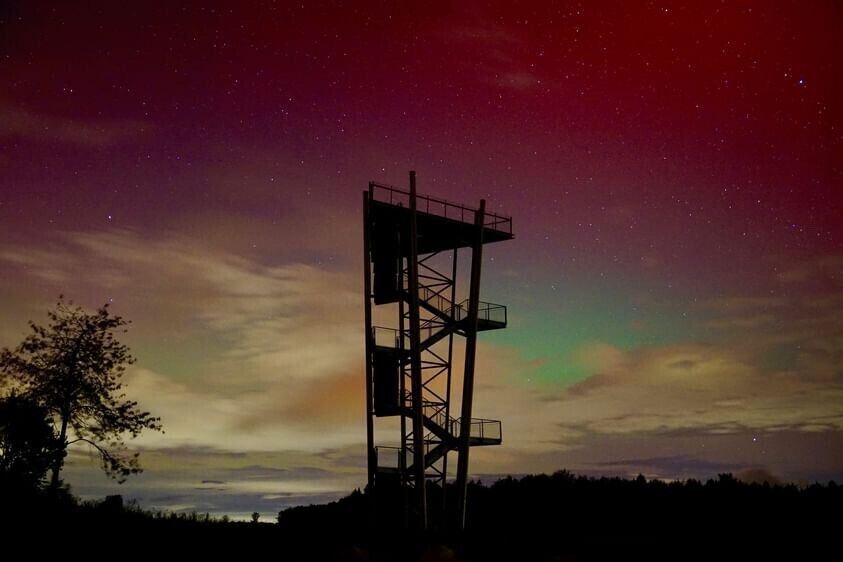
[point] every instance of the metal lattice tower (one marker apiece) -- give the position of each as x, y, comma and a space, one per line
409, 365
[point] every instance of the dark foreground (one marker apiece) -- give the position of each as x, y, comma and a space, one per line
541, 518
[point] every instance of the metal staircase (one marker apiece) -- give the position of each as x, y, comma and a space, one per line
447, 319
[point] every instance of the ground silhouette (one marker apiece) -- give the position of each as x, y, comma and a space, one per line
541, 517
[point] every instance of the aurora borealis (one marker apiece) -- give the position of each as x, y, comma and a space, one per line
673, 171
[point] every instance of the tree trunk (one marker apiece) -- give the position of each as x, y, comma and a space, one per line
60, 453
65, 414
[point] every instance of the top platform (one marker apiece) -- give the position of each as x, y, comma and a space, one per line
442, 225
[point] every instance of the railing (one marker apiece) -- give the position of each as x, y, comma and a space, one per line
480, 428
440, 207
436, 412
435, 299
388, 457
391, 337
487, 311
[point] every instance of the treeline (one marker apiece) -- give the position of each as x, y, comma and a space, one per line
540, 517
565, 516
536, 502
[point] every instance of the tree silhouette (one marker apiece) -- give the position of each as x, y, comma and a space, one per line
72, 367
27, 443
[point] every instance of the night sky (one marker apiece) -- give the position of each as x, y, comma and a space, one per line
673, 171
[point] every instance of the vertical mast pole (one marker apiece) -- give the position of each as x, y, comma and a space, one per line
468, 373
415, 358
369, 345
448, 427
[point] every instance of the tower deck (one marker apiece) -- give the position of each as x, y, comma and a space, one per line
442, 225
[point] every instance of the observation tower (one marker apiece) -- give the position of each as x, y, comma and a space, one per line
410, 253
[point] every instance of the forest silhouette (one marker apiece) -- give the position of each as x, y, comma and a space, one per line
538, 517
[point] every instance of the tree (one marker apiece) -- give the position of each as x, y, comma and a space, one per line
27, 443
72, 367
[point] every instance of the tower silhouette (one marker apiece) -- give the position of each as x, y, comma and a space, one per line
411, 245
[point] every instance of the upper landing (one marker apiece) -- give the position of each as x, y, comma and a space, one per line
441, 225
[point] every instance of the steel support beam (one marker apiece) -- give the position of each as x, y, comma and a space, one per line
415, 363
468, 373
369, 345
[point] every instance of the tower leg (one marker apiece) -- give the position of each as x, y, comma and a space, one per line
415, 358
448, 393
468, 376
367, 306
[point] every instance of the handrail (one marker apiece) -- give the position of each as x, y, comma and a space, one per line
436, 411
489, 311
436, 299
397, 196
391, 452
384, 336
480, 428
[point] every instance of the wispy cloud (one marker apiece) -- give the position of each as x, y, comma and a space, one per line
256, 371
20, 122
829, 268
262, 338
502, 58
767, 364
205, 479
698, 388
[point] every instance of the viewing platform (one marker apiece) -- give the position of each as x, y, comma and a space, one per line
442, 225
